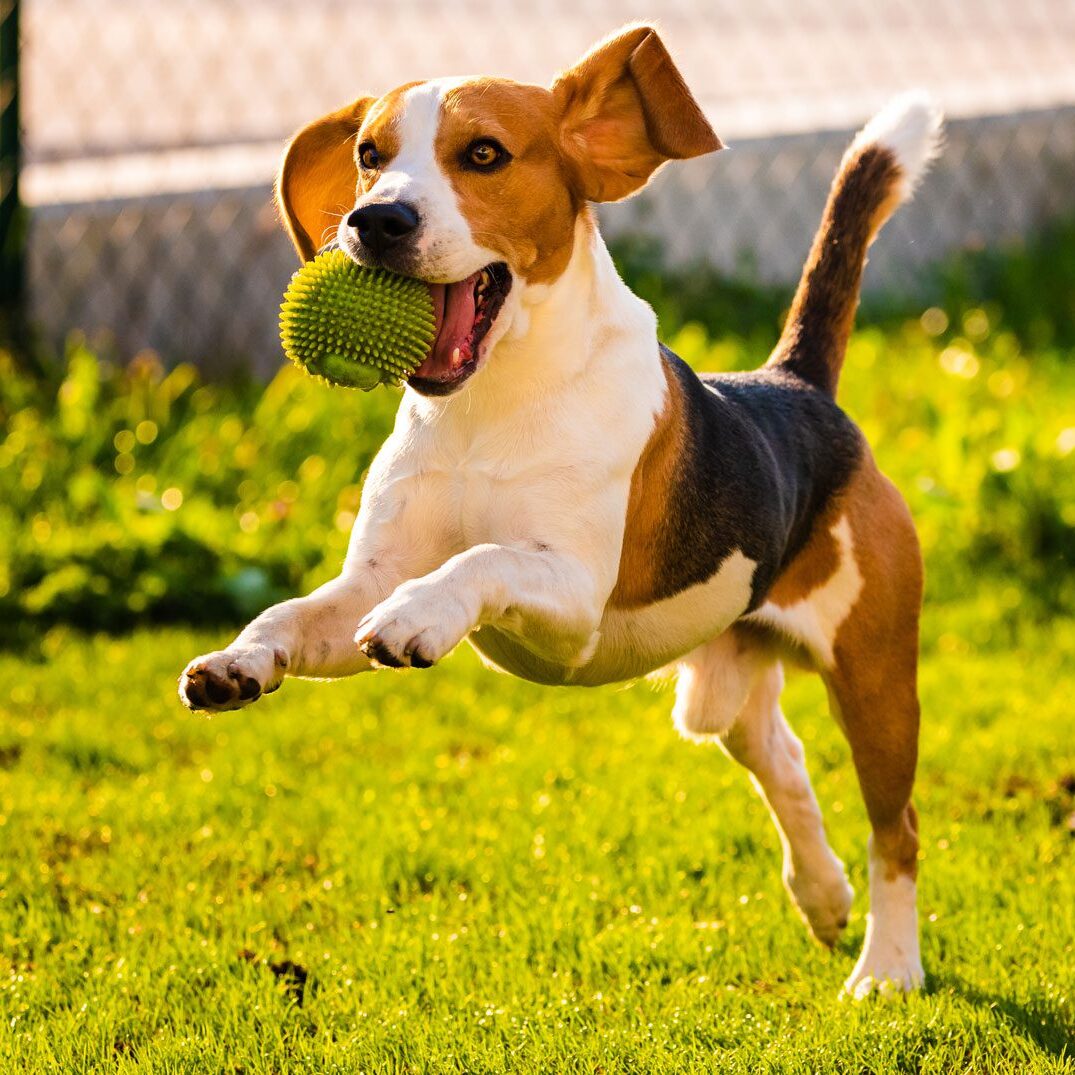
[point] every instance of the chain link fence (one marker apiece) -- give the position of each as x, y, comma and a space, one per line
153, 129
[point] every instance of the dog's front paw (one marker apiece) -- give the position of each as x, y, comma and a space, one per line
415, 627
232, 678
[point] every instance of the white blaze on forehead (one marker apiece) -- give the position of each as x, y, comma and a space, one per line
414, 175
416, 163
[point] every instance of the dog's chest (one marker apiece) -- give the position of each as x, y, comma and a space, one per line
488, 491
544, 476
482, 497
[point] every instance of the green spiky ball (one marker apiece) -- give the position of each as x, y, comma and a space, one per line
353, 326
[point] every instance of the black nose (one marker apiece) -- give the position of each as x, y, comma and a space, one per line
383, 224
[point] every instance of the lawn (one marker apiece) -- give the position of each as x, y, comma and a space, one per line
455, 871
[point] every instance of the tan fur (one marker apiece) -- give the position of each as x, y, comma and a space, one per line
626, 110
812, 567
872, 683
381, 127
536, 233
864, 195
647, 508
318, 177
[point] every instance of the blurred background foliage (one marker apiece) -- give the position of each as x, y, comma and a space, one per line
136, 494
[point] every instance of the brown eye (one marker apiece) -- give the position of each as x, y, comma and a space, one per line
486, 154
368, 156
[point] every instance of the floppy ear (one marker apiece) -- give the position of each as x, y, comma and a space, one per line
319, 177
625, 111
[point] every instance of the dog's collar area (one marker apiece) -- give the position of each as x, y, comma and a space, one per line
465, 312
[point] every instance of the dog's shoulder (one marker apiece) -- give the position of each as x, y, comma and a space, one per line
737, 462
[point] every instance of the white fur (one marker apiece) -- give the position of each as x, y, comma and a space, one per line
637, 641
712, 684
536, 552
814, 620
890, 960
444, 244
761, 740
910, 126
731, 689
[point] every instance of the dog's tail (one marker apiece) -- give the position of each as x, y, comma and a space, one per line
878, 172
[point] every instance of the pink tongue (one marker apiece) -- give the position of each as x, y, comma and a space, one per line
453, 305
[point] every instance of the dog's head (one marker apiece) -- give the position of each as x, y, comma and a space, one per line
475, 185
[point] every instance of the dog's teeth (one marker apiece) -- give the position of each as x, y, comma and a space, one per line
455, 354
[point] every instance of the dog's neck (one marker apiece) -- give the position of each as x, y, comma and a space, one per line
580, 325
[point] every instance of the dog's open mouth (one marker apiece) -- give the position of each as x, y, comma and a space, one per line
465, 313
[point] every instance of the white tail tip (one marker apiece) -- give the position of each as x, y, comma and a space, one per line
910, 126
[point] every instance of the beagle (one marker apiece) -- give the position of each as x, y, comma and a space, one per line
567, 495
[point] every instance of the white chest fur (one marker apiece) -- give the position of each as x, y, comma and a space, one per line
538, 449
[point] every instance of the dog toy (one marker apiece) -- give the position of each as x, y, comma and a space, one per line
353, 326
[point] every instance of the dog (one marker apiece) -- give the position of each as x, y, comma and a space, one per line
569, 496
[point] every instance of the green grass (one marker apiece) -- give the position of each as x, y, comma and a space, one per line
476, 874
456, 871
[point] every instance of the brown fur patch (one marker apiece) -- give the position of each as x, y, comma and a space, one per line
318, 178
381, 127
638, 582
525, 210
874, 678
886, 549
626, 110
873, 681
815, 564
864, 195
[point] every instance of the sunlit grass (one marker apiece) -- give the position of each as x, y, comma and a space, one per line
477, 874
455, 871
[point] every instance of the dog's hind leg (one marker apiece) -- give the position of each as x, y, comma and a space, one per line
730, 689
873, 688
879, 713
882, 724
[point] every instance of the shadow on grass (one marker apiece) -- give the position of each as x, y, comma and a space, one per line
1039, 1020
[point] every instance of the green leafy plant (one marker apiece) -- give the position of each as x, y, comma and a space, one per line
138, 494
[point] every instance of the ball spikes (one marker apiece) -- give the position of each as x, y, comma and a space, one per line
355, 327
